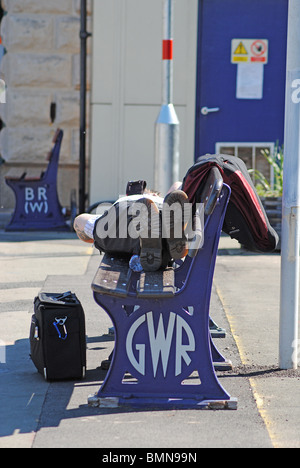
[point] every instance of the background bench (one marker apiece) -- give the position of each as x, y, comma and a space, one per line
37, 205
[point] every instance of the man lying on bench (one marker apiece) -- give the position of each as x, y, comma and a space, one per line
149, 230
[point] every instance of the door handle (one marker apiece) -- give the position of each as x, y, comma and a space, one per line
207, 110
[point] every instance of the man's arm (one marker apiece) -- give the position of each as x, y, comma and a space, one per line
79, 224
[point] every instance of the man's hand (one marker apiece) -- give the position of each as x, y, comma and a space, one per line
79, 224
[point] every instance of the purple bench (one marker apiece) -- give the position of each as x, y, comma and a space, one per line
161, 322
37, 205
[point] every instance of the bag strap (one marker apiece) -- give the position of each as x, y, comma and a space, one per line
61, 322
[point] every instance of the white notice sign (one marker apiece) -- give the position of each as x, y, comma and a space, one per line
250, 79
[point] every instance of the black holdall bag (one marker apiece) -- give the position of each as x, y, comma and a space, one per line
57, 336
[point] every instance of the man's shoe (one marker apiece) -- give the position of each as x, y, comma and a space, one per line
150, 236
174, 223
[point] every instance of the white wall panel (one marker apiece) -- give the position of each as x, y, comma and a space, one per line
126, 89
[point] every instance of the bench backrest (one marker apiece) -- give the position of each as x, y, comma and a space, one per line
208, 197
53, 156
211, 190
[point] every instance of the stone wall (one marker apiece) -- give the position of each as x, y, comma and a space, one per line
41, 70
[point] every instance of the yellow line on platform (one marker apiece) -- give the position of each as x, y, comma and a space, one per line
258, 398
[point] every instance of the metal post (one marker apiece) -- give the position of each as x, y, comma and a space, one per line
288, 336
83, 72
166, 161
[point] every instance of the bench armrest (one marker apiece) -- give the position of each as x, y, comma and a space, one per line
211, 190
209, 197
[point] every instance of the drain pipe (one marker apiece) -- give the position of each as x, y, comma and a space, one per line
83, 81
166, 158
289, 299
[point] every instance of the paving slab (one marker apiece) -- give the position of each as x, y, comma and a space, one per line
39, 414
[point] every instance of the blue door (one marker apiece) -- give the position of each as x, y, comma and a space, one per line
238, 104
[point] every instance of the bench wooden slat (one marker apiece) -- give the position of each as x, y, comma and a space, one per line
21, 174
33, 174
157, 283
16, 173
113, 276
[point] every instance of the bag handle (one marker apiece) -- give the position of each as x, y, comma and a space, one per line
67, 296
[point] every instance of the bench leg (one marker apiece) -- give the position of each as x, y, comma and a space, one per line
219, 361
157, 354
215, 330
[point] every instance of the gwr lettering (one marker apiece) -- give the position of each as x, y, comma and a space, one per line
160, 343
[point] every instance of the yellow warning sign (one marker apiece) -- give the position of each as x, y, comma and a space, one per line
249, 50
241, 58
240, 50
